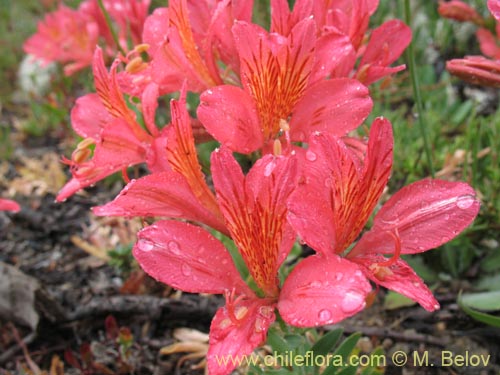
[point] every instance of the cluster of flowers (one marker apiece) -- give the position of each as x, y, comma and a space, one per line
70, 36
483, 70
290, 96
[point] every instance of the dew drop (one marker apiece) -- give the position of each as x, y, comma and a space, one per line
465, 201
352, 301
269, 168
186, 270
145, 245
174, 247
324, 315
315, 284
311, 156
339, 276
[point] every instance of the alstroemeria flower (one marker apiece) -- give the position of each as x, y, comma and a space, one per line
281, 85
67, 36
347, 22
255, 211
179, 191
129, 16
338, 193
9, 205
105, 120
191, 41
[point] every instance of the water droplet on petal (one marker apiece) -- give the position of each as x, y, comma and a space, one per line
186, 270
465, 201
352, 301
311, 156
324, 315
269, 168
145, 245
174, 247
339, 276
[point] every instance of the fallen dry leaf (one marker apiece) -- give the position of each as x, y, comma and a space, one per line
38, 176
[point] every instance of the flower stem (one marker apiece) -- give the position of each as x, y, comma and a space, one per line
410, 54
110, 26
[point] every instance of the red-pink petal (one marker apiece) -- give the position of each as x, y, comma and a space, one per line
399, 277
229, 114
488, 44
322, 290
269, 184
155, 29
8, 205
494, 7
310, 210
89, 116
118, 148
165, 194
336, 107
387, 43
336, 65
425, 215
149, 102
187, 258
231, 340
255, 211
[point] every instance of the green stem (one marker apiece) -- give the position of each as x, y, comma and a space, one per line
416, 91
110, 26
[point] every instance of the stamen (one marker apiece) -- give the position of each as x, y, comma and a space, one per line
231, 303
277, 147
125, 176
397, 250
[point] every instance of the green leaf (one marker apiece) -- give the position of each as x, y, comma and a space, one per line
490, 282
327, 342
491, 320
277, 343
294, 341
485, 301
347, 346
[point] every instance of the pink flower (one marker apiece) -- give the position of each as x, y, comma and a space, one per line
347, 22
338, 193
8, 205
66, 36
129, 16
283, 88
179, 191
254, 209
105, 120
192, 41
